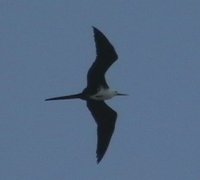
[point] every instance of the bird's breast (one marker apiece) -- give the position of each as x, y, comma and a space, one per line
103, 94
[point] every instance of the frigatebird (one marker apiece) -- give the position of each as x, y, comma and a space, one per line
97, 91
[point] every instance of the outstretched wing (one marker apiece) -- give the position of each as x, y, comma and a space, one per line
105, 118
106, 56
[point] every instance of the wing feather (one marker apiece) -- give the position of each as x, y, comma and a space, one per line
105, 118
106, 56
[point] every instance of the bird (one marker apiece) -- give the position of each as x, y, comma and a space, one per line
97, 91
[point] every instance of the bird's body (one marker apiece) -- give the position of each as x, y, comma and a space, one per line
97, 91
103, 94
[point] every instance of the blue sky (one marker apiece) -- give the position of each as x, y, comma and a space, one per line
46, 49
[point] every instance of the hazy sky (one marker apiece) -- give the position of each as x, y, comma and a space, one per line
46, 49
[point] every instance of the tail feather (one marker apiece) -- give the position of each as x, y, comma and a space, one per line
73, 96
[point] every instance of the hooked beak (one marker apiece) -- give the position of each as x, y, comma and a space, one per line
120, 94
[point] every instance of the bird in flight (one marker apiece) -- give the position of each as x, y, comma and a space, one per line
97, 91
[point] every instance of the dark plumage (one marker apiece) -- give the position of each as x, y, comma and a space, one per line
104, 116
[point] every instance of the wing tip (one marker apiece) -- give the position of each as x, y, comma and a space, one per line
101, 38
95, 30
99, 158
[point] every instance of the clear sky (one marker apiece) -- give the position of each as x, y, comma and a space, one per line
46, 48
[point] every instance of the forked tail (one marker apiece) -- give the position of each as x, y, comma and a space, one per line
73, 96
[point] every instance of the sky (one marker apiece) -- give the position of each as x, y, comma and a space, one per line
46, 49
